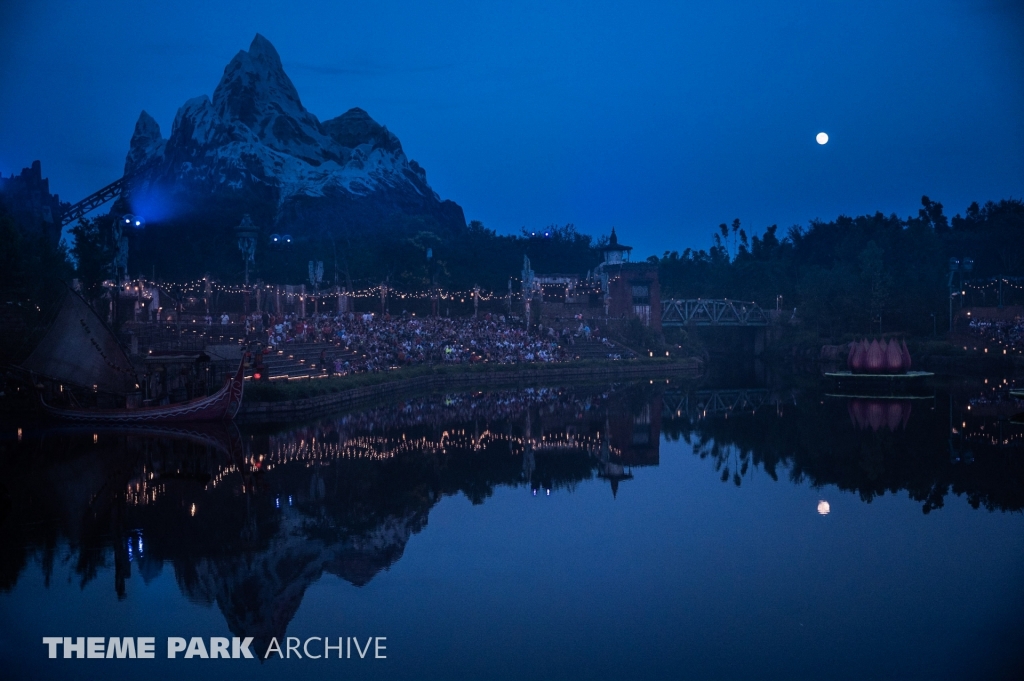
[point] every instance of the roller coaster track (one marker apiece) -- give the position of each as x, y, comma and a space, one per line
92, 202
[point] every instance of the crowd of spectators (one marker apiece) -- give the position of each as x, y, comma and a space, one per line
1008, 334
374, 342
411, 340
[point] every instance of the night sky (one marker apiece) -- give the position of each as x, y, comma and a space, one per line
662, 119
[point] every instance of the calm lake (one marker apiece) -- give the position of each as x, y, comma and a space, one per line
659, 530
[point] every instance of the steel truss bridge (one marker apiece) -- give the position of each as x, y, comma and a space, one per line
710, 312
699, 404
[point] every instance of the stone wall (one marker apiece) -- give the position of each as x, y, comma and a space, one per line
311, 406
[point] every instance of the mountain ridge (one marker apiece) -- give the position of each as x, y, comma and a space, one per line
253, 147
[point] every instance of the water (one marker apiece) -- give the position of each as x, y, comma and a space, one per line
658, 530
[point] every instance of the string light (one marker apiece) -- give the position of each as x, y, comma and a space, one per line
203, 287
994, 283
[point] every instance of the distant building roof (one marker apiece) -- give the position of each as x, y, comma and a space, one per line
614, 245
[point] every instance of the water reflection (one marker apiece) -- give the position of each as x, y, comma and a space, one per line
961, 441
879, 413
249, 518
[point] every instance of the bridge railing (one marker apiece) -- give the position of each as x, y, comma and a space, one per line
712, 312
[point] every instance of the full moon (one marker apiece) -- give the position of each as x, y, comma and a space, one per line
823, 507
822, 138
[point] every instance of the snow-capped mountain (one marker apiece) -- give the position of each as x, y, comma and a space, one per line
254, 145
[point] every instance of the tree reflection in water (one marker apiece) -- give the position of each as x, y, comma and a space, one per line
962, 441
250, 518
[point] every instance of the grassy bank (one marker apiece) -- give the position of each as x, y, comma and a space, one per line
284, 391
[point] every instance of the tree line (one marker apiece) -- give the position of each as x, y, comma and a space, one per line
850, 275
407, 253
855, 275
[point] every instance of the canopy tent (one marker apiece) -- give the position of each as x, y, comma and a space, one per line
79, 349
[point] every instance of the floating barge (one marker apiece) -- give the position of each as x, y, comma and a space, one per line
878, 385
874, 377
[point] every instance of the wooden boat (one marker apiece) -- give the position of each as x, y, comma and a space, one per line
79, 349
220, 406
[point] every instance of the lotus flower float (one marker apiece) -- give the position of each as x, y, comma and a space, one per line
878, 357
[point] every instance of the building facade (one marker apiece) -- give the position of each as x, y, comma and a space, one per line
27, 198
631, 289
616, 292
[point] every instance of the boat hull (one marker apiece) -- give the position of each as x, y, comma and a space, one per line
221, 406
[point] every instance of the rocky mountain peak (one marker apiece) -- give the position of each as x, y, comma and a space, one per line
255, 90
146, 128
355, 128
255, 141
263, 52
146, 143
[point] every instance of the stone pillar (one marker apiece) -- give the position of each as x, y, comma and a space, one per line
606, 294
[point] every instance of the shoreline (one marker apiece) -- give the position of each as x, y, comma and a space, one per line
389, 385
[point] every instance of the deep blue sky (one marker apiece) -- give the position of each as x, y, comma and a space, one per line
662, 119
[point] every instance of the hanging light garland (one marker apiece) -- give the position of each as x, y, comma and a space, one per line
202, 287
994, 283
